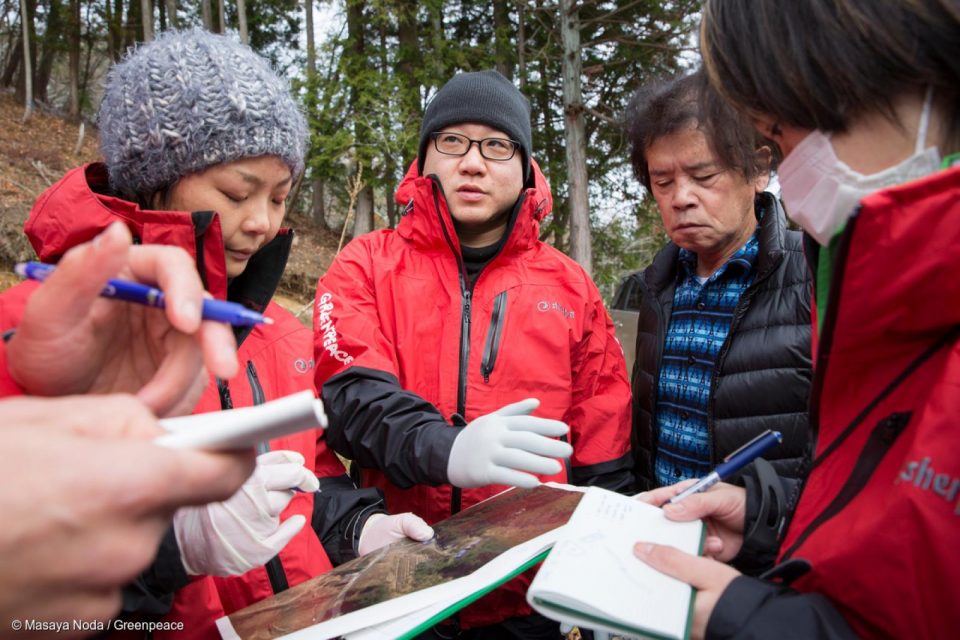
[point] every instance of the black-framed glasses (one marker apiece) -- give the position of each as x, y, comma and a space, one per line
455, 144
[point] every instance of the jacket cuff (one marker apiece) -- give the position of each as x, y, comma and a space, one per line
614, 475
438, 455
151, 593
339, 512
738, 602
766, 512
751, 609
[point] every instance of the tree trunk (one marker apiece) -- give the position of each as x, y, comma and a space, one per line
113, 14
73, 40
356, 52
502, 37
391, 205
25, 18
318, 207
576, 152
146, 15
311, 46
363, 218
206, 14
408, 60
52, 37
132, 26
521, 46
242, 20
13, 62
438, 41
222, 13
172, 22
318, 212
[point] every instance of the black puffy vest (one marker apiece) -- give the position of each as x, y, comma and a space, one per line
762, 377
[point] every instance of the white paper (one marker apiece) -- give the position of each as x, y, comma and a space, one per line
592, 569
244, 427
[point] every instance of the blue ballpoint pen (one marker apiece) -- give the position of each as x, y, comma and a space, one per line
732, 463
218, 310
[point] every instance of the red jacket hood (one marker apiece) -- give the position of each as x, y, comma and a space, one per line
76, 209
421, 225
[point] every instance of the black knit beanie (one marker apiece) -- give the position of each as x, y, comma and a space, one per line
482, 97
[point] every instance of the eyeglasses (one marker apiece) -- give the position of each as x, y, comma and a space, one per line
455, 144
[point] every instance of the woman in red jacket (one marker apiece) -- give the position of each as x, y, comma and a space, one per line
202, 142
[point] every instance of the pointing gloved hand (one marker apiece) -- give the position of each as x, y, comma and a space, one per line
506, 446
381, 529
243, 532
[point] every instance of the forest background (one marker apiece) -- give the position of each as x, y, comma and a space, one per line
364, 71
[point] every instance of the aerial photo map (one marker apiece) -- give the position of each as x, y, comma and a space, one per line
462, 544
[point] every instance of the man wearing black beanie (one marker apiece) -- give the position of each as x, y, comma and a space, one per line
437, 341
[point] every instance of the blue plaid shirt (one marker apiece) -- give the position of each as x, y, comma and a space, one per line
699, 324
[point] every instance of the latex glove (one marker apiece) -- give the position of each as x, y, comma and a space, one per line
380, 530
500, 447
243, 532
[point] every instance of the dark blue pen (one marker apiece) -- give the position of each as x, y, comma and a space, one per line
218, 310
732, 463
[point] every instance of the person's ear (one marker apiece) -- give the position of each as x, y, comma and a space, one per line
767, 126
764, 159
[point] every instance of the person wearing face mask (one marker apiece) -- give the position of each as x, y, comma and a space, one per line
866, 116
202, 142
723, 330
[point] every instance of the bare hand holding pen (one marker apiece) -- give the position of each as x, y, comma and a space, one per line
72, 341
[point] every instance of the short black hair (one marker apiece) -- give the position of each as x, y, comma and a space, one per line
667, 105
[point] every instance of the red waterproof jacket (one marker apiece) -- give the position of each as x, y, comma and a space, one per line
879, 518
408, 351
276, 360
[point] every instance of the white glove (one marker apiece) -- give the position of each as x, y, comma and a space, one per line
499, 447
229, 538
380, 530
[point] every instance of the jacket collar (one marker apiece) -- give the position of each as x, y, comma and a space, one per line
79, 207
426, 219
900, 270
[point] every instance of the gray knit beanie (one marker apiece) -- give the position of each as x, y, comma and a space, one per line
483, 97
190, 100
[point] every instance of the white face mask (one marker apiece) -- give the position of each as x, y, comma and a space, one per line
820, 192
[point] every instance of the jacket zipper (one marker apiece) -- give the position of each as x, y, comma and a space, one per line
742, 305
494, 334
465, 298
274, 568
880, 441
223, 389
654, 432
